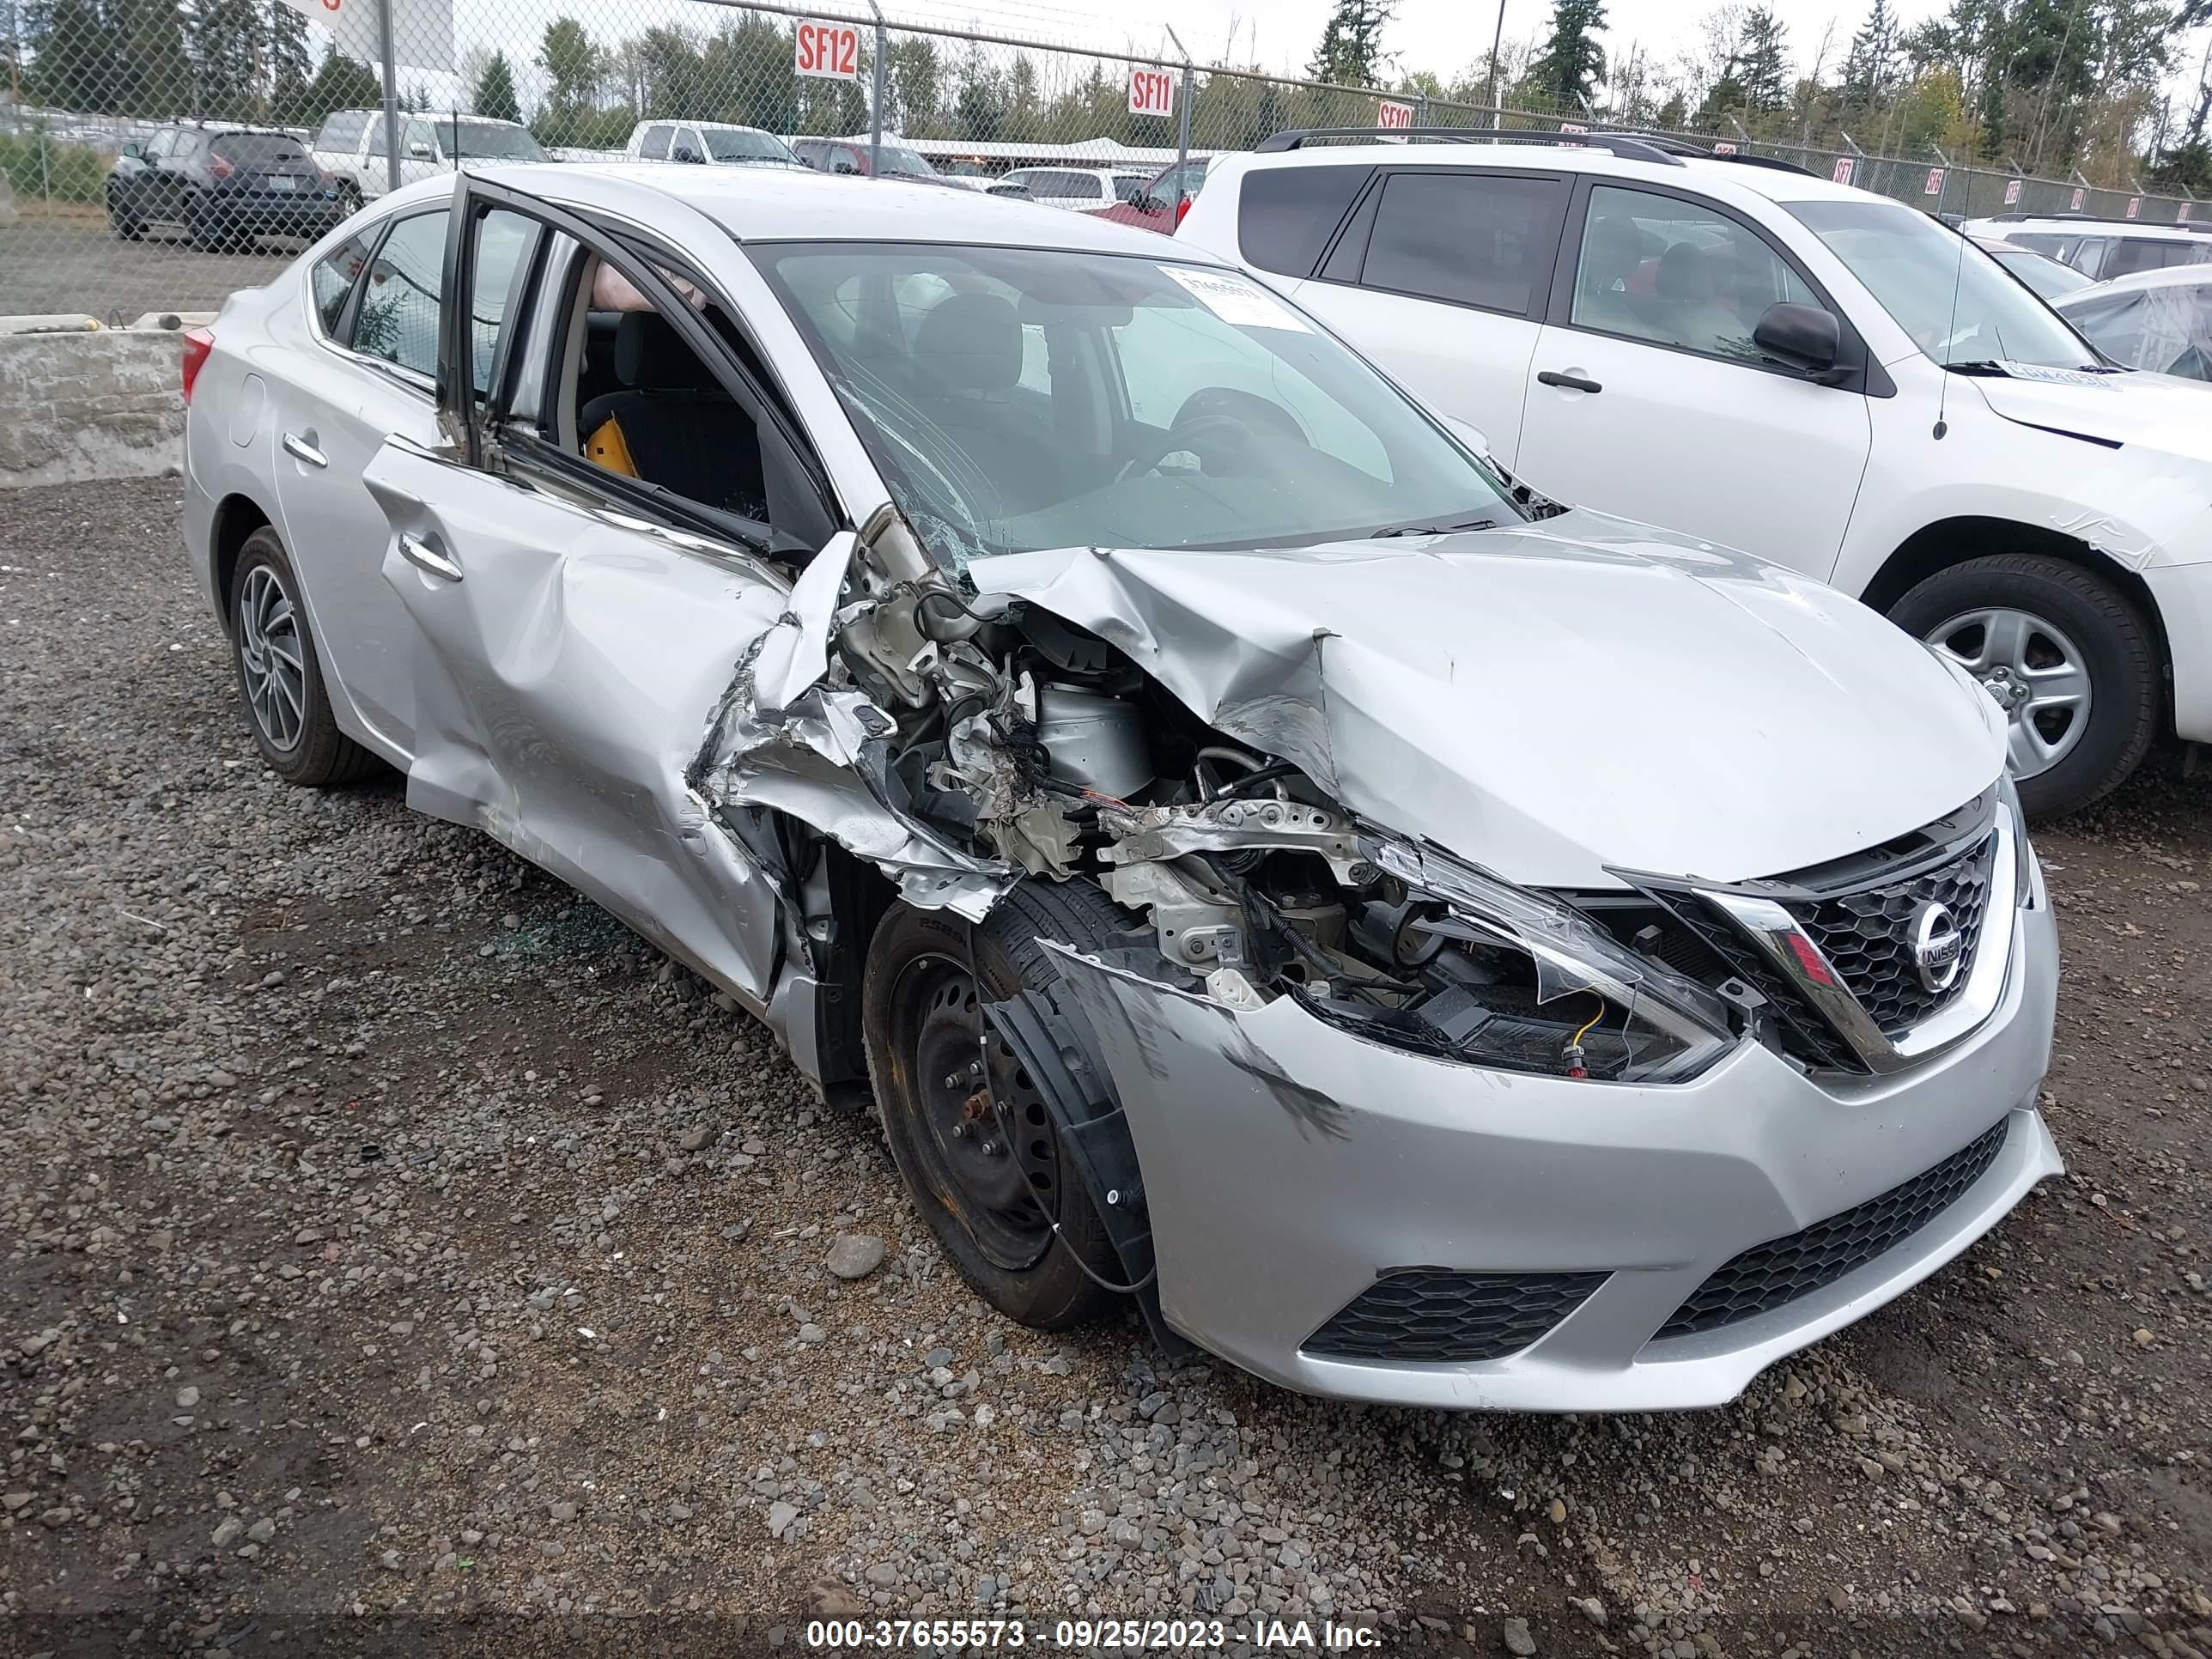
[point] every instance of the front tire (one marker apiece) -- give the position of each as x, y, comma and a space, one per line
983, 1166
280, 678
2068, 656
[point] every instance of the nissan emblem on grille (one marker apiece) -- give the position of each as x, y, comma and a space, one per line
1939, 948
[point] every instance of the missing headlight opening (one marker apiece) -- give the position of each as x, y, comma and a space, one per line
1001, 742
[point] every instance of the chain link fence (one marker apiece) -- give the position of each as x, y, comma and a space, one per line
158, 154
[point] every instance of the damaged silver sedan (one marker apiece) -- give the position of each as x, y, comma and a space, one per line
1422, 943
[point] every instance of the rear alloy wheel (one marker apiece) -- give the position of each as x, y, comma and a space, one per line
280, 679
2065, 655
969, 1130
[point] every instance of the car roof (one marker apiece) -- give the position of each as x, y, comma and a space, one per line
2085, 226
800, 205
2165, 276
702, 127
1567, 154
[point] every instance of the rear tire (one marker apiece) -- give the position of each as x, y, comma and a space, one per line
280, 678
126, 228
2076, 626
919, 1015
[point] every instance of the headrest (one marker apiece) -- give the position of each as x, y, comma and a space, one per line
970, 343
1612, 251
1685, 277
650, 353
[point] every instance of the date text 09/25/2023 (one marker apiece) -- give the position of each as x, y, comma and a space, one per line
1093, 1635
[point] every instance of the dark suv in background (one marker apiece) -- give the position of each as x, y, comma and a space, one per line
227, 187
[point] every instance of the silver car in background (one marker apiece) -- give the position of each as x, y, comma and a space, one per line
1425, 944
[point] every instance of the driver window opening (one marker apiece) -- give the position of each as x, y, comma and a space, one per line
647, 406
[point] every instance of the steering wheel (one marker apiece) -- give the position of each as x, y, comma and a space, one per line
1235, 435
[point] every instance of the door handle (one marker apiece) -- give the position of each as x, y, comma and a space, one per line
423, 555
300, 447
1571, 382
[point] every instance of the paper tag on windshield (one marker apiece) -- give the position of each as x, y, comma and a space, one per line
1237, 302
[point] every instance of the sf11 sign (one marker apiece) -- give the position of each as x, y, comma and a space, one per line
1151, 92
829, 51
1395, 116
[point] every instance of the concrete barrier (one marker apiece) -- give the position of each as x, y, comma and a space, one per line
89, 405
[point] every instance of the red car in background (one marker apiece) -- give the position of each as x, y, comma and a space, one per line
1158, 207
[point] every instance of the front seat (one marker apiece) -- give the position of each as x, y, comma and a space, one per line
671, 425
965, 363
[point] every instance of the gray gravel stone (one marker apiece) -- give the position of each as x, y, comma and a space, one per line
855, 1256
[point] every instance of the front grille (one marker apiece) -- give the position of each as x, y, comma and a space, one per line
1434, 1314
1867, 936
1781, 1270
1804, 1034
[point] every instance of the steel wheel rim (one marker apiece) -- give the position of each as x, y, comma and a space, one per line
2033, 671
272, 658
988, 1152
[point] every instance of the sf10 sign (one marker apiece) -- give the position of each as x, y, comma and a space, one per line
1151, 92
830, 52
1394, 116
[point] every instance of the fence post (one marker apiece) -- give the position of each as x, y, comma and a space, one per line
391, 94
881, 78
1182, 128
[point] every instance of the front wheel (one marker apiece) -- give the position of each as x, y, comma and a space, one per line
970, 1134
2063, 653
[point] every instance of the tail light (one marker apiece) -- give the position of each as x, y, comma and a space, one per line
199, 342
1182, 208
219, 167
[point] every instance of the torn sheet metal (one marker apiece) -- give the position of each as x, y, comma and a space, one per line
822, 756
1492, 693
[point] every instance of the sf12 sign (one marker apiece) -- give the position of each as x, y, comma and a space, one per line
829, 51
1151, 92
1394, 116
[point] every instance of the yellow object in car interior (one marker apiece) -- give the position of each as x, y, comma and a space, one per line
606, 447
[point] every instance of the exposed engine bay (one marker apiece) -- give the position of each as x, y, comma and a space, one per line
1005, 743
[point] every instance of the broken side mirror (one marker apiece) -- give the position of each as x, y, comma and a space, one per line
794, 655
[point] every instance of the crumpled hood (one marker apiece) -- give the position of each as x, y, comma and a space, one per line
1553, 699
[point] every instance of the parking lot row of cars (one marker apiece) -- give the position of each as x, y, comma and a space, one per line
1323, 774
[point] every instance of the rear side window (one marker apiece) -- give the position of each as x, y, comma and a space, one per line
333, 279
2128, 256
503, 243
1286, 215
654, 147
1484, 240
343, 131
397, 317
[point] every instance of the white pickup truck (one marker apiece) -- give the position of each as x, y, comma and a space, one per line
349, 147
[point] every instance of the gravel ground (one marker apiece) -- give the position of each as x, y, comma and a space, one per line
398, 1251
75, 265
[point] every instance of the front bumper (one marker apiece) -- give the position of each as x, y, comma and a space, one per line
1288, 1164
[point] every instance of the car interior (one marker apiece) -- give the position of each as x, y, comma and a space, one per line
645, 406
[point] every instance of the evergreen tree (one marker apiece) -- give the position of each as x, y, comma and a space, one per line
221, 45
916, 85
1870, 66
573, 64
340, 82
495, 91
1351, 50
1763, 63
1571, 63
288, 67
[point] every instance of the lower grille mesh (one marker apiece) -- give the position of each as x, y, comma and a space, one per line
1781, 1270
1433, 1314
